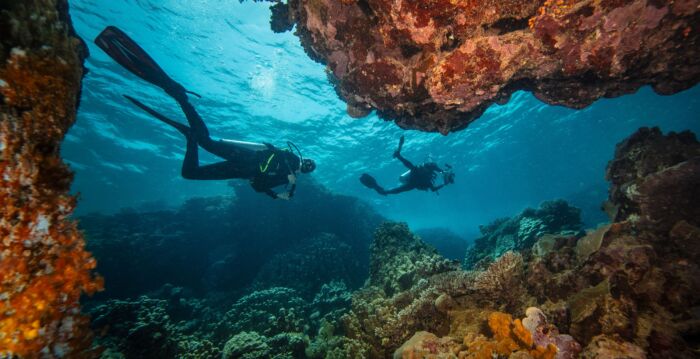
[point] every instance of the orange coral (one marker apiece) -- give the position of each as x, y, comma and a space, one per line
554, 8
509, 336
44, 267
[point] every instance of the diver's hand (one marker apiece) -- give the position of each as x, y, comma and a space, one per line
284, 196
292, 179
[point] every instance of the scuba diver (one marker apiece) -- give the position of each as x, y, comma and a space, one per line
265, 165
417, 177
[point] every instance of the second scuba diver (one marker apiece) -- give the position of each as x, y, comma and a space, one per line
265, 165
417, 177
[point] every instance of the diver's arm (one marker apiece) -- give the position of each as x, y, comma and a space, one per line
436, 188
271, 193
405, 162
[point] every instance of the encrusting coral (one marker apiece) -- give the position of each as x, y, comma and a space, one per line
44, 268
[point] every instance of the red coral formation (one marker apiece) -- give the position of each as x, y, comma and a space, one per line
44, 267
437, 65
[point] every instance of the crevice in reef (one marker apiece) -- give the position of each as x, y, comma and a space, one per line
365, 7
508, 24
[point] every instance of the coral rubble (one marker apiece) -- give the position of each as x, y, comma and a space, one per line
437, 65
44, 268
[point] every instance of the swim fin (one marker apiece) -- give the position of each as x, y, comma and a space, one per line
369, 182
126, 52
185, 130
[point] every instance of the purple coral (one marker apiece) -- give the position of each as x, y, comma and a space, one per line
544, 334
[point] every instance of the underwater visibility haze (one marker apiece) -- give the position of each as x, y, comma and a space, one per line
261, 86
580, 220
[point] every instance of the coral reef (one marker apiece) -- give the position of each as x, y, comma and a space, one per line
531, 337
44, 268
502, 281
437, 65
398, 259
269, 312
244, 241
175, 326
310, 264
521, 232
170, 322
625, 289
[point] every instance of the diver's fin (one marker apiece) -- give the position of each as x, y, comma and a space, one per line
126, 52
185, 130
369, 182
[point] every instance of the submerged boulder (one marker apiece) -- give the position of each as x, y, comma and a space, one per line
522, 231
438, 65
655, 178
312, 263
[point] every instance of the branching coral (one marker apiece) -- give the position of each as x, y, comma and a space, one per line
44, 267
502, 281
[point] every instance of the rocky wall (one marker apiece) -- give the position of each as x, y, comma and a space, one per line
44, 268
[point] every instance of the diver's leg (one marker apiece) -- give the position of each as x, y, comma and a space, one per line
403, 188
217, 171
201, 132
178, 126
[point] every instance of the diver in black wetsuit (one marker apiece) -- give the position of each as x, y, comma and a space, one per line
264, 165
418, 177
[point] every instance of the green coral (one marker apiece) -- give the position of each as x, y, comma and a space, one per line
246, 345
268, 312
399, 259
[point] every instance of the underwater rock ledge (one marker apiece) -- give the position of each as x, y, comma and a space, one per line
44, 268
438, 65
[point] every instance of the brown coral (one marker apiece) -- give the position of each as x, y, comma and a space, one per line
502, 281
44, 267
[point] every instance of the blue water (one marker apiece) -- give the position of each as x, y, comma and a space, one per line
261, 86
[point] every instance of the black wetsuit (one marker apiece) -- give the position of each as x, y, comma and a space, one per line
420, 177
265, 169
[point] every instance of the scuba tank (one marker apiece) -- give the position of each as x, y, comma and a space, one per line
405, 176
